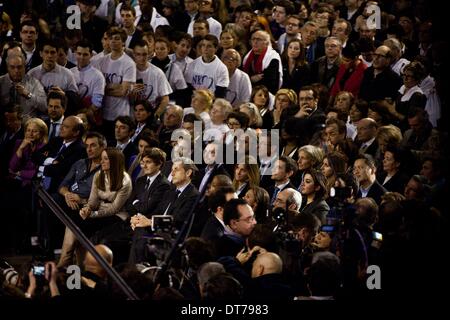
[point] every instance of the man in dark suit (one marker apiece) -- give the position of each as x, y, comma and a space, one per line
284, 169
178, 203
128, 14
13, 131
123, 131
150, 188
214, 226
29, 35
314, 45
239, 220
56, 106
57, 157
55, 160
324, 69
364, 170
267, 153
214, 166
366, 137
172, 120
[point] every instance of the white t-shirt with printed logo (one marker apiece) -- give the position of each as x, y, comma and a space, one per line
156, 84
116, 71
203, 75
59, 76
90, 81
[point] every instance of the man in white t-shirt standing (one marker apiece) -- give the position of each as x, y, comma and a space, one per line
90, 81
147, 14
151, 83
207, 71
119, 71
206, 9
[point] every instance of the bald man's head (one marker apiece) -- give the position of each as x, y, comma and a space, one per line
90, 264
267, 263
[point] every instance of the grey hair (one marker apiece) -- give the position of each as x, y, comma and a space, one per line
235, 54
332, 38
295, 197
326, 256
225, 106
265, 35
207, 271
19, 55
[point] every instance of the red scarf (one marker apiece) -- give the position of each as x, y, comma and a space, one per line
257, 65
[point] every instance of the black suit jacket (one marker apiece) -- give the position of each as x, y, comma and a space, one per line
212, 230
129, 151
179, 206
320, 72
244, 191
271, 189
397, 183
74, 152
147, 199
137, 36
318, 208
35, 60
375, 192
218, 169
372, 149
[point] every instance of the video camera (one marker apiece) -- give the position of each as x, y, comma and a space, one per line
162, 223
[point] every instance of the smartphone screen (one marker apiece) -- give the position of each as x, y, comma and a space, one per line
377, 236
38, 270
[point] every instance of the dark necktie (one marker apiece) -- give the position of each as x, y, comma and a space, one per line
13, 94
53, 133
147, 184
274, 195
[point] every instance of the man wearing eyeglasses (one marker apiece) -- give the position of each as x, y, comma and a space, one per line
293, 24
379, 81
240, 87
281, 10
239, 220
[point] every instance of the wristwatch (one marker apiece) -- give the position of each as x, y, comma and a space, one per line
29, 95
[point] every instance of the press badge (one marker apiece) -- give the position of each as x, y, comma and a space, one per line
74, 187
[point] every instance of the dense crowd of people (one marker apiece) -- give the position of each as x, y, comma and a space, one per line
295, 143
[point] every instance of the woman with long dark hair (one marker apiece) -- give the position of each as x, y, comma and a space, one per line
314, 192
246, 176
258, 198
110, 190
296, 71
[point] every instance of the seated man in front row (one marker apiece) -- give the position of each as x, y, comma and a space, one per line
178, 203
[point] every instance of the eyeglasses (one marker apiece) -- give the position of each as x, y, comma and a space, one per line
408, 76
258, 39
229, 58
292, 24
